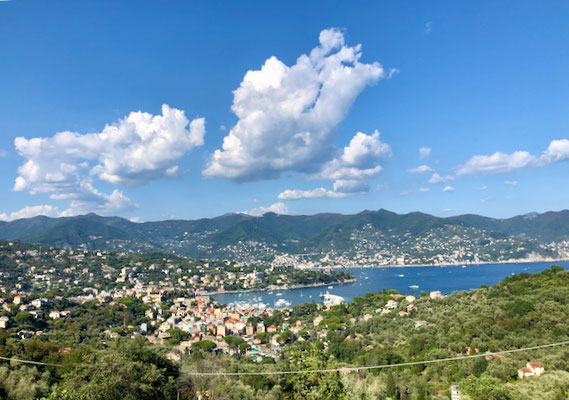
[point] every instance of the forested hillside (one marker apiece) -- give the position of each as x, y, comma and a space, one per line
372, 237
522, 311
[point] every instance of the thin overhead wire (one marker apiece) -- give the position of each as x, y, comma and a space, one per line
358, 369
30, 362
341, 369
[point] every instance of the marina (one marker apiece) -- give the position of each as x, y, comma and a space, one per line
409, 280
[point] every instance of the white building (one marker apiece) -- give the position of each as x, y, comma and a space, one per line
531, 369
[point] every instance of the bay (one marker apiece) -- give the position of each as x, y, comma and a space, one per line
446, 279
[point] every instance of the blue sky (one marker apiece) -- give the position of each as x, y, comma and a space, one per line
483, 85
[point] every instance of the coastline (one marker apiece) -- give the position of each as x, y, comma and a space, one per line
520, 261
270, 288
292, 287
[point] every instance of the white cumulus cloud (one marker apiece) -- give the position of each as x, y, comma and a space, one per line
288, 115
497, 163
317, 193
448, 189
558, 150
277, 208
139, 148
436, 178
29, 212
350, 170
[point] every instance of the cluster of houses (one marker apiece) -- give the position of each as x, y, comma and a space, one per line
531, 369
201, 318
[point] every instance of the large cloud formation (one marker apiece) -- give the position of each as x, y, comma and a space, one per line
288, 115
133, 151
350, 170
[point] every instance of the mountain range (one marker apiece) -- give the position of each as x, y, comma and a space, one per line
242, 236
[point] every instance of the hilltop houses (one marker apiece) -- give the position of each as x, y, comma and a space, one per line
531, 369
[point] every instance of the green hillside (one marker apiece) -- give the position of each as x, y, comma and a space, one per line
416, 236
522, 311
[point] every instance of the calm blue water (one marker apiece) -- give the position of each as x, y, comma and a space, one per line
446, 279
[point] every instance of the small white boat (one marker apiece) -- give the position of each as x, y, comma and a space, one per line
464, 266
401, 275
282, 303
279, 294
413, 286
330, 287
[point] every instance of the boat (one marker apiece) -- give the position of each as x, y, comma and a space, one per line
330, 287
401, 275
279, 294
413, 286
331, 299
281, 303
464, 266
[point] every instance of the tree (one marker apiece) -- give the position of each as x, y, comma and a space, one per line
130, 372
391, 387
205, 345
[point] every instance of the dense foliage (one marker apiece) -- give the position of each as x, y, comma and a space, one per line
523, 310
246, 238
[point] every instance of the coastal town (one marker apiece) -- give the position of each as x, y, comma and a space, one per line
448, 245
74, 297
164, 299
167, 297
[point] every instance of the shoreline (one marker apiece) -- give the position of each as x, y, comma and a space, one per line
522, 261
267, 289
280, 288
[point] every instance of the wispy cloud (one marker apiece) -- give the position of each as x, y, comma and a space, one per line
428, 27
392, 71
421, 169
424, 152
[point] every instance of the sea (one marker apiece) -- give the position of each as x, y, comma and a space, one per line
408, 280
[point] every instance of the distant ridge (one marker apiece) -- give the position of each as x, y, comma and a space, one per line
272, 233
